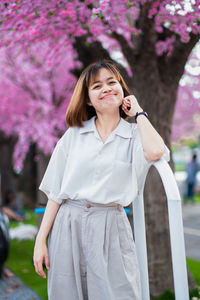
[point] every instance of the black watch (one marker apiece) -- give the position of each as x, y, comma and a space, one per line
141, 113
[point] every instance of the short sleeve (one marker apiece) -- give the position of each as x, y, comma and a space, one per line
166, 154
52, 180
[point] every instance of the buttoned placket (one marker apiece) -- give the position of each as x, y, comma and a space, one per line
97, 163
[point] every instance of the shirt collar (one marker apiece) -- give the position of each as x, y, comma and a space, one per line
123, 129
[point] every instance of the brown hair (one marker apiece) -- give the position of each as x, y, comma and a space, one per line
78, 109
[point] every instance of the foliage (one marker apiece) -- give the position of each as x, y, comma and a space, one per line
170, 296
25, 22
39, 55
34, 95
187, 110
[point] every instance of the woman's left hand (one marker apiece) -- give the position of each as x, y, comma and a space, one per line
131, 103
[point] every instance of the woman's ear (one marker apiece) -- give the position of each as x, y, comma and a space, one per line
89, 103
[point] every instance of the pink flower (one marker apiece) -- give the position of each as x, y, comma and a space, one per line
42, 20
33, 31
63, 13
96, 11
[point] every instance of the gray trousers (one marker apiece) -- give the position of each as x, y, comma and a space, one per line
92, 254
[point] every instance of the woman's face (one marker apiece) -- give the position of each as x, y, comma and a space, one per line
105, 92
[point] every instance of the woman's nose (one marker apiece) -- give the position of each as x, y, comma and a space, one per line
106, 88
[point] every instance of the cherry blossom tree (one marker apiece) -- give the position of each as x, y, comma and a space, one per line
34, 93
186, 121
155, 39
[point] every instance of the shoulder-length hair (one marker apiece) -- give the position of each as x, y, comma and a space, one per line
78, 109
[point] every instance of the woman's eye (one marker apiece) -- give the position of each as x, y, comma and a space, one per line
96, 86
112, 82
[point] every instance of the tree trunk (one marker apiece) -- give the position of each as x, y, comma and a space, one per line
7, 177
27, 179
41, 168
158, 98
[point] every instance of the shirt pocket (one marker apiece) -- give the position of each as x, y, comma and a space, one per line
120, 178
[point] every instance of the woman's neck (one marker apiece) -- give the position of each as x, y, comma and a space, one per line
105, 124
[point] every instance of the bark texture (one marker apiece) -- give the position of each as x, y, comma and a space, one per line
27, 181
41, 168
8, 180
24, 183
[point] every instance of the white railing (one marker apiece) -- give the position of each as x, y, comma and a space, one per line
176, 234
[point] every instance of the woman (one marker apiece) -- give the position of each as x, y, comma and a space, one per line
92, 174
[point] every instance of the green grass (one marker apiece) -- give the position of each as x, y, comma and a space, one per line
20, 262
196, 199
170, 296
194, 267
179, 166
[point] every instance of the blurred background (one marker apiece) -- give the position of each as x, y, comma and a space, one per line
44, 47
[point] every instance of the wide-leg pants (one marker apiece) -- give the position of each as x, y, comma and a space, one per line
92, 254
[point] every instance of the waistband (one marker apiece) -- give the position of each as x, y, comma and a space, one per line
91, 205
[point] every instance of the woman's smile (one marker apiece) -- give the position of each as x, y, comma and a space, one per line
107, 96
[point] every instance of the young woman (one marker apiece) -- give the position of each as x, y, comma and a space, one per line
91, 176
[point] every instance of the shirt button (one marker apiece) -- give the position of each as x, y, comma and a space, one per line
88, 205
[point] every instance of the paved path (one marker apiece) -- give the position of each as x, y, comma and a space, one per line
191, 223
12, 288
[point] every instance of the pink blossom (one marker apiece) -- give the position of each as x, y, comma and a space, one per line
63, 13
42, 20
40, 35
96, 11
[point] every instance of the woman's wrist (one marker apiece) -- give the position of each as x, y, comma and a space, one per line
137, 110
41, 238
142, 113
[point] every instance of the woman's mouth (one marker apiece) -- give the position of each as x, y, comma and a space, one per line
107, 96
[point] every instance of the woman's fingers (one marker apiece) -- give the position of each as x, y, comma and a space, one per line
126, 106
41, 258
131, 106
39, 268
46, 261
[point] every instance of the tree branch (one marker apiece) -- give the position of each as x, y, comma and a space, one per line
180, 56
89, 53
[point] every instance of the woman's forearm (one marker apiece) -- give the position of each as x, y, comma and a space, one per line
48, 219
152, 142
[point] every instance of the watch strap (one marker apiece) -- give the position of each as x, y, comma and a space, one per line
141, 113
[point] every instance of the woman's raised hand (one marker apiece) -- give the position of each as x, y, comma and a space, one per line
41, 257
130, 106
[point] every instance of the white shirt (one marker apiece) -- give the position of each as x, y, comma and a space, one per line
83, 167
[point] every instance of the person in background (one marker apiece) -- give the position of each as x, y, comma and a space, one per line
13, 207
191, 170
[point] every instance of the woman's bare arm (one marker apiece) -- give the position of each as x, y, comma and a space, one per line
40, 250
152, 143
